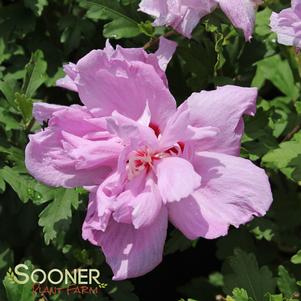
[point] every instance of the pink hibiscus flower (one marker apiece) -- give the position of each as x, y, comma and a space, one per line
287, 25
184, 15
146, 161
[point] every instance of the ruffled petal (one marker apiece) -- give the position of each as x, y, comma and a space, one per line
132, 252
44, 111
48, 162
241, 13
177, 179
124, 87
223, 108
232, 192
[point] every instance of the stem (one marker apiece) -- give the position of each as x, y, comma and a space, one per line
155, 41
290, 135
30, 125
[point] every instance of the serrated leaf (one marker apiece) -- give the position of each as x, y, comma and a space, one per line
58, 211
286, 158
121, 291
296, 259
25, 106
19, 292
177, 242
241, 270
36, 6
286, 283
270, 297
121, 25
18, 182
239, 295
8, 120
282, 75
35, 74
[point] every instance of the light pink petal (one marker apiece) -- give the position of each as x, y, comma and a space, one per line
130, 131
287, 25
123, 87
182, 15
177, 179
91, 154
179, 129
241, 13
165, 52
147, 205
94, 221
68, 82
131, 252
62, 155
223, 108
44, 111
124, 203
233, 191
43, 154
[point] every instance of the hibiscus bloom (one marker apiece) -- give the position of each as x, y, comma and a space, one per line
287, 25
184, 15
147, 161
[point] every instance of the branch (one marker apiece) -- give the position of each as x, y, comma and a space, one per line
290, 135
155, 41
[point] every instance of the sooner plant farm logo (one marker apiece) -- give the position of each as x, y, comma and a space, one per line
56, 281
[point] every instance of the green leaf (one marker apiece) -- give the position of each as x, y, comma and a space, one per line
282, 75
58, 212
262, 27
6, 257
239, 295
7, 89
121, 25
216, 279
19, 292
35, 74
286, 158
262, 228
25, 106
177, 242
36, 6
2, 184
8, 120
18, 182
270, 297
121, 291
241, 270
286, 283
296, 259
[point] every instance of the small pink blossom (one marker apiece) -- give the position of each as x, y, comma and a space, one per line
287, 25
184, 15
144, 160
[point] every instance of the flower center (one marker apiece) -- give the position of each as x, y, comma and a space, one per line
144, 159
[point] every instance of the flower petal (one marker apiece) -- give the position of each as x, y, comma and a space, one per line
233, 190
68, 82
223, 108
182, 15
147, 205
44, 111
42, 155
165, 52
123, 87
177, 179
241, 13
130, 252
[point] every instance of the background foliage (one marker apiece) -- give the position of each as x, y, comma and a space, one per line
260, 261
